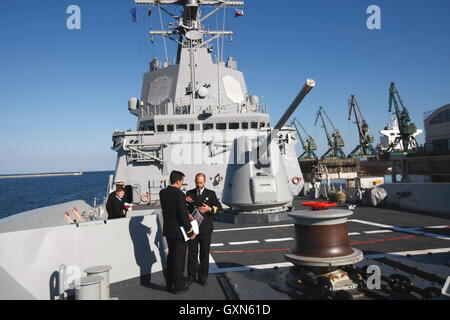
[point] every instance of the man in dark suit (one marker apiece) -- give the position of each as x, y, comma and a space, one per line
175, 215
207, 204
115, 206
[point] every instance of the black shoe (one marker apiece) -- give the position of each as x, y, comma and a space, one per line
180, 290
191, 280
203, 282
202, 279
168, 289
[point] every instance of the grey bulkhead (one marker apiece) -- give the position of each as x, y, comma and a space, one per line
147, 156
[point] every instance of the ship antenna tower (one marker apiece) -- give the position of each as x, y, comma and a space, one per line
189, 32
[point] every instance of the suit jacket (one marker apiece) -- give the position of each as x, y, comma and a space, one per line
175, 213
208, 197
115, 207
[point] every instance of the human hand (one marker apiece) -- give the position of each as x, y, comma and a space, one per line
193, 237
189, 199
204, 208
191, 218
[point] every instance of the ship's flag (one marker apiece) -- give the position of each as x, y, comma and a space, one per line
133, 14
239, 13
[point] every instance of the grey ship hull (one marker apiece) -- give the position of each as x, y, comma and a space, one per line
32, 251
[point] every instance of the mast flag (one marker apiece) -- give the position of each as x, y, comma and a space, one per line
239, 13
133, 14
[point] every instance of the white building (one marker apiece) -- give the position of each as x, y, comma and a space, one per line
437, 130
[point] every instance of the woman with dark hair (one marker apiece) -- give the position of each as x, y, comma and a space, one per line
115, 206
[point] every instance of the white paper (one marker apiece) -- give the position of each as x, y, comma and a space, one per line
195, 228
184, 234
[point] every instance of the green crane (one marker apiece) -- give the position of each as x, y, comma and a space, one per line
365, 148
406, 127
335, 140
309, 145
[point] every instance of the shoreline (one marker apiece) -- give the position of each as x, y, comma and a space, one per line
39, 175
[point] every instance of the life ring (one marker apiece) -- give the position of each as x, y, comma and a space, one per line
145, 198
296, 180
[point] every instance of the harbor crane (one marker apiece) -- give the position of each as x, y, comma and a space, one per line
335, 140
405, 140
365, 148
309, 145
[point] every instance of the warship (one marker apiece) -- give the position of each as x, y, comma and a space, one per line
274, 241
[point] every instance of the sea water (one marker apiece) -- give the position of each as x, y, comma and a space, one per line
23, 194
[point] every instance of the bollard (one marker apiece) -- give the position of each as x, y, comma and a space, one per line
89, 288
102, 271
322, 237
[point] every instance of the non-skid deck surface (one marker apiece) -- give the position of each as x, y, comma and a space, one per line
239, 248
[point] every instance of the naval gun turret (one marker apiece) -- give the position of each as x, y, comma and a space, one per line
260, 184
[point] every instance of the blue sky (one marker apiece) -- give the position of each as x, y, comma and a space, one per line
63, 93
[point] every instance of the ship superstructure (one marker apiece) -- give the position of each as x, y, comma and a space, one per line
198, 116
390, 133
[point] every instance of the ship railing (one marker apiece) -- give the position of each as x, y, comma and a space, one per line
183, 106
145, 153
150, 111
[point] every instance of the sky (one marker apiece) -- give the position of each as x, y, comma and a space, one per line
63, 92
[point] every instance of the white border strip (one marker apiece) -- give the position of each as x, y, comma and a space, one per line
243, 242
279, 240
217, 244
377, 231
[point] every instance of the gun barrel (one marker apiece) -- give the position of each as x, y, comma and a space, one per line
309, 85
